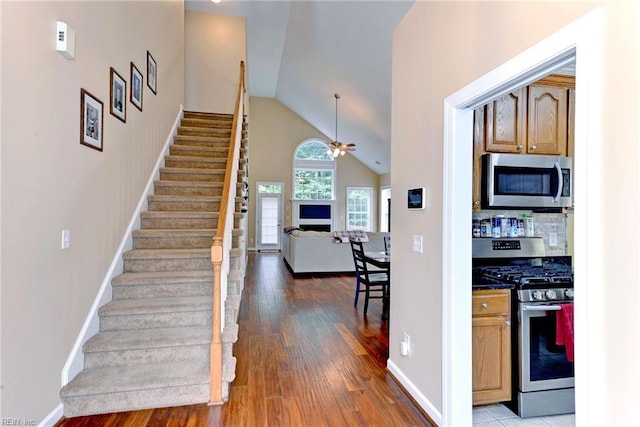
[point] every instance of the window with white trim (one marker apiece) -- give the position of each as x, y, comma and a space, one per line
313, 172
359, 208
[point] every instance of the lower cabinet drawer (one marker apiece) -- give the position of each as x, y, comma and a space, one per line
491, 302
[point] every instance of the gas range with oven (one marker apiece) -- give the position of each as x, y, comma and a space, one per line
543, 372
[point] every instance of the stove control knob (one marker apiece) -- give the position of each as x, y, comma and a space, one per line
568, 293
537, 295
551, 294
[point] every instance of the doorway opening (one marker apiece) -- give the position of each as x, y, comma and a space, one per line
385, 209
269, 216
574, 42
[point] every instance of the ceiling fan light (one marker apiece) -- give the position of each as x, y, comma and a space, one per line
336, 152
342, 152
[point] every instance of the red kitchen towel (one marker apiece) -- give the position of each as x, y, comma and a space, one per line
564, 329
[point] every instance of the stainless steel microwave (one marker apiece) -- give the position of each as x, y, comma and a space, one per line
526, 181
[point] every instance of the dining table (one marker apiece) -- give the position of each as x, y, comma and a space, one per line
381, 260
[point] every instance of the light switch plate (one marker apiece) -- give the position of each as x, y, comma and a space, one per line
417, 243
66, 239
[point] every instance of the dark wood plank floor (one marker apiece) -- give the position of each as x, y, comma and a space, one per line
306, 357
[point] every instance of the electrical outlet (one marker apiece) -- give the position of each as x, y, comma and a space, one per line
405, 345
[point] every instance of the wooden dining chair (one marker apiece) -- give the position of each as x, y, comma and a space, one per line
374, 284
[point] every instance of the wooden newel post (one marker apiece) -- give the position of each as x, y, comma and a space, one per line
216, 339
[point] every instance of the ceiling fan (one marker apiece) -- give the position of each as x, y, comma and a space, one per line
337, 148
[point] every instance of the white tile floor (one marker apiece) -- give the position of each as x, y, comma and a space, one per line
500, 416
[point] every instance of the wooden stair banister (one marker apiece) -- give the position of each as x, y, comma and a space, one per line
222, 242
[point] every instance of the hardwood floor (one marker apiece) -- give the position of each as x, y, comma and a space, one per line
306, 357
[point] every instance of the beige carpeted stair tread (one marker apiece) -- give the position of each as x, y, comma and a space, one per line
132, 378
198, 171
169, 214
177, 232
123, 307
205, 114
187, 187
197, 130
213, 162
198, 151
202, 140
191, 184
188, 198
159, 254
166, 277
148, 338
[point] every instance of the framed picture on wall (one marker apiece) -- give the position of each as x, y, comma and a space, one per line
136, 87
117, 96
90, 120
152, 73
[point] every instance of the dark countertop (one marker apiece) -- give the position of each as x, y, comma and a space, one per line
481, 287
480, 281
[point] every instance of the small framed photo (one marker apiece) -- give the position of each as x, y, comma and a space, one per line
136, 87
152, 73
117, 96
90, 120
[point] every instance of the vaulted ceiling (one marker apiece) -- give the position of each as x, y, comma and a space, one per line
302, 52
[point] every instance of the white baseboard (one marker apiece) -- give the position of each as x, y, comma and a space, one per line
75, 361
53, 417
417, 396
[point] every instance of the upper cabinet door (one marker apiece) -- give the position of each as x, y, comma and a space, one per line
547, 127
506, 123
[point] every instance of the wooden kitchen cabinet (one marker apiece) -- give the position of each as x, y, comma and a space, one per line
505, 119
536, 119
547, 120
491, 349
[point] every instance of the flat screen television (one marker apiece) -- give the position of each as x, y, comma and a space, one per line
315, 212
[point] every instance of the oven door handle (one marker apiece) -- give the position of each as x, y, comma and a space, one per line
527, 307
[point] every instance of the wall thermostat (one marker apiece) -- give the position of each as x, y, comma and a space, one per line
416, 198
65, 40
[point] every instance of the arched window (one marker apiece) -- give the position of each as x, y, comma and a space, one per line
313, 171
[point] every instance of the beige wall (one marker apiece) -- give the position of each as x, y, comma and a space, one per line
458, 42
385, 180
214, 46
50, 182
274, 134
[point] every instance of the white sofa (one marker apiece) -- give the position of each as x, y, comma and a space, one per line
317, 252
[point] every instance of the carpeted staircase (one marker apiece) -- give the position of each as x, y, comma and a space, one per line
154, 341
